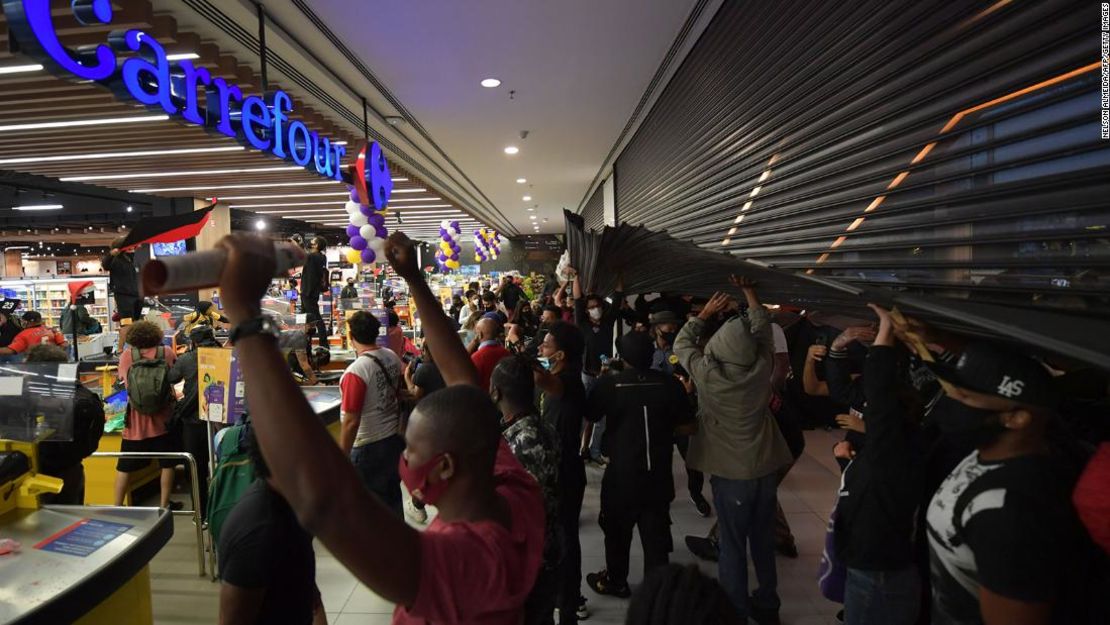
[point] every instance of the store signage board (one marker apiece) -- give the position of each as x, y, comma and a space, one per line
83, 538
150, 79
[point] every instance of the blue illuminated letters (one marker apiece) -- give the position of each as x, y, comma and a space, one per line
150, 79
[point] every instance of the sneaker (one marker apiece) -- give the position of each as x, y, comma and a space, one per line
762, 616
701, 504
703, 548
601, 584
582, 612
417, 514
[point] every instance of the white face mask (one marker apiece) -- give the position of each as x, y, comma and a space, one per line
595, 314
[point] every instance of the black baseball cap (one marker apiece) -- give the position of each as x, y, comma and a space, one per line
32, 316
664, 316
1001, 372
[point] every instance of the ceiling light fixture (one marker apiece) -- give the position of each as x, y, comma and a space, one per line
339, 143
171, 174
260, 224
19, 69
527, 198
531, 216
254, 185
282, 197
512, 149
413, 190
184, 56
521, 180
415, 199
104, 121
129, 209
101, 155
38, 207
490, 83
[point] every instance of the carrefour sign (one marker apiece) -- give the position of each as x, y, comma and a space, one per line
149, 78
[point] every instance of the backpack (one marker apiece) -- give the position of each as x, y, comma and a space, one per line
148, 382
234, 474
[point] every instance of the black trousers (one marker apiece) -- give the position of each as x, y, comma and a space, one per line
653, 520
694, 479
194, 440
539, 608
570, 586
311, 306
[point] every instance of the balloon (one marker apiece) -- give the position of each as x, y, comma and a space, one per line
366, 232
354, 194
377, 219
366, 210
454, 256
351, 208
352, 231
369, 256
443, 233
353, 257
378, 245
445, 224
358, 243
383, 232
453, 264
359, 220
445, 246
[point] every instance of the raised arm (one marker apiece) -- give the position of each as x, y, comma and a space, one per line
451, 357
686, 347
307, 467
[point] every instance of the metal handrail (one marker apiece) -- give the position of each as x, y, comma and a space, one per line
194, 491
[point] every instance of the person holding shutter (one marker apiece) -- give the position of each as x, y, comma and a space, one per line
643, 407
371, 412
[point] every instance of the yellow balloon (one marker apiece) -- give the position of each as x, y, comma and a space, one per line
453, 264
354, 256
445, 246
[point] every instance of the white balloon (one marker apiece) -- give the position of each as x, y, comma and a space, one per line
455, 232
351, 207
368, 232
445, 224
378, 245
359, 220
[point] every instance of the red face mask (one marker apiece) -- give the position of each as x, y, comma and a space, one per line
415, 479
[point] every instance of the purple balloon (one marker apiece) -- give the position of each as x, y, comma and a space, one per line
366, 210
455, 255
352, 231
354, 194
358, 242
382, 231
368, 255
443, 233
377, 219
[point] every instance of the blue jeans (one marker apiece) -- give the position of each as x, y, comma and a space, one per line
746, 515
882, 597
376, 464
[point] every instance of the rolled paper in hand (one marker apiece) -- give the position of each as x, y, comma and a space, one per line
201, 270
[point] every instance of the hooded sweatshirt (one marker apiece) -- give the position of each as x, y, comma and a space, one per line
737, 436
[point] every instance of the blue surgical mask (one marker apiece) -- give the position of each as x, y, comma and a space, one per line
546, 363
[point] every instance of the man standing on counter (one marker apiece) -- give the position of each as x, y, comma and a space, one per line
477, 562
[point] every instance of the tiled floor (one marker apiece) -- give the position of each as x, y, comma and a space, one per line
807, 494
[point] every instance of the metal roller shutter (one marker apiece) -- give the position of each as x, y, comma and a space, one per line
939, 147
593, 213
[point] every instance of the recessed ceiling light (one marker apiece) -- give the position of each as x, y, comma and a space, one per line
527, 198
521, 180
103, 121
531, 216
38, 207
490, 83
129, 209
19, 69
530, 208
512, 149
260, 225
415, 190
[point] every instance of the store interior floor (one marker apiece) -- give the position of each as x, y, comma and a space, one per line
807, 494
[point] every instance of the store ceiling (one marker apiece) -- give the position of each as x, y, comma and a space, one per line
155, 156
571, 72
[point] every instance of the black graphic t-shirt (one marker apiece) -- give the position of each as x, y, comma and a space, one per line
1007, 526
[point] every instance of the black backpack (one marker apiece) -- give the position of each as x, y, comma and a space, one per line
148, 382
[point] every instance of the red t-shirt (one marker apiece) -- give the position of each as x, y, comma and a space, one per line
38, 335
481, 573
485, 359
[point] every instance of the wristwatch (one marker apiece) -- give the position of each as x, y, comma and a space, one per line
263, 324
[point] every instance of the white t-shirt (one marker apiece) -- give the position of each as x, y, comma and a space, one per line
372, 393
780, 339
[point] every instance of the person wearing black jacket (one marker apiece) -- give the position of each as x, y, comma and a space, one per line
879, 497
846, 389
643, 407
9, 324
62, 459
314, 278
186, 413
123, 280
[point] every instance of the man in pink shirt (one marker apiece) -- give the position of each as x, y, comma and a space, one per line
477, 562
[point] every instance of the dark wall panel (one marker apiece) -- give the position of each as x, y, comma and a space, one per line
934, 146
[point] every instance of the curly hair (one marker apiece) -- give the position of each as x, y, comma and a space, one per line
144, 335
47, 353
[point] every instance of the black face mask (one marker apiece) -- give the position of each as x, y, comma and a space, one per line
957, 419
668, 337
